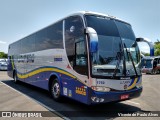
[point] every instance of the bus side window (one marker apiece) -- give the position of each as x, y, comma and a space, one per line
80, 53
75, 44
155, 63
158, 60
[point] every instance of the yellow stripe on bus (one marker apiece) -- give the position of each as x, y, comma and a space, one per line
22, 76
12, 62
134, 84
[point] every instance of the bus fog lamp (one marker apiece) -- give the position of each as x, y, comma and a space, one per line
101, 100
106, 89
101, 89
97, 100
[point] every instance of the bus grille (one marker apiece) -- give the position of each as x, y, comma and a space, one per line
108, 70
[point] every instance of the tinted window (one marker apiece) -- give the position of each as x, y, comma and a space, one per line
41, 40
75, 44
125, 30
11, 49
73, 32
55, 36
50, 37
15, 48
80, 53
148, 63
28, 44
110, 27
103, 26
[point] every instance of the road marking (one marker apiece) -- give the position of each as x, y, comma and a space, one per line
50, 109
1, 83
133, 102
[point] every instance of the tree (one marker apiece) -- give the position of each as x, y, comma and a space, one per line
157, 48
145, 54
3, 55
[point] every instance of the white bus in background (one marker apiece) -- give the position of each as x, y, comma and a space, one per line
89, 57
151, 65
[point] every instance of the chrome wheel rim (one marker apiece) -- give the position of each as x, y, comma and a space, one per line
56, 90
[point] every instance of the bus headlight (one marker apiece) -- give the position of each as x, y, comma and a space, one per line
101, 89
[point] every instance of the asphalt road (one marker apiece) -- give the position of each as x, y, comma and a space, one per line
11, 99
149, 101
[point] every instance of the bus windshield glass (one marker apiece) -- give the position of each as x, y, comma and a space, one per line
113, 35
147, 63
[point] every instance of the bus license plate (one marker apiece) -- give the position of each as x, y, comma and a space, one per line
124, 97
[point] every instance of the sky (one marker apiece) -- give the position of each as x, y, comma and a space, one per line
19, 18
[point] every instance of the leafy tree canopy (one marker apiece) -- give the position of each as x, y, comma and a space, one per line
3, 55
157, 48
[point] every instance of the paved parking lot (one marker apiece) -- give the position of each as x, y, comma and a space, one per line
13, 100
22, 97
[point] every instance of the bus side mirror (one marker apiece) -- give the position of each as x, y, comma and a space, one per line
148, 41
93, 39
140, 39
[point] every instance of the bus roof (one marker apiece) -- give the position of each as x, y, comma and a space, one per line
95, 13
80, 13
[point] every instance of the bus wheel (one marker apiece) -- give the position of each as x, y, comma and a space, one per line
15, 78
152, 72
55, 90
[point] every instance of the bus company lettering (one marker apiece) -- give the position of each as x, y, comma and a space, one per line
100, 82
58, 58
80, 90
26, 58
125, 82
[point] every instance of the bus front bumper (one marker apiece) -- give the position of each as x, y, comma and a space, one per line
105, 97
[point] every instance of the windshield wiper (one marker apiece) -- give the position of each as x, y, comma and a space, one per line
131, 59
118, 56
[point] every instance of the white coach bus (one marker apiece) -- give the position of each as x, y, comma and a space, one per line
89, 57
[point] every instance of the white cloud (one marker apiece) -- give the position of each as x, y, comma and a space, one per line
2, 42
144, 47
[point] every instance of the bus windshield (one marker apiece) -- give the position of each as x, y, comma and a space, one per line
147, 63
113, 35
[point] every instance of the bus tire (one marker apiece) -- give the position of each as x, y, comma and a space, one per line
15, 77
153, 72
156, 71
55, 90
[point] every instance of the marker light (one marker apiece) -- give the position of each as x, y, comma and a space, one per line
100, 88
